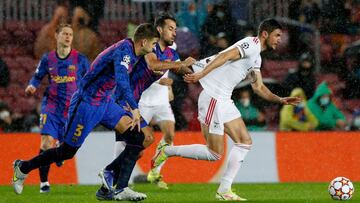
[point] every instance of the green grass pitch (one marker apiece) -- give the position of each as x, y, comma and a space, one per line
284, 192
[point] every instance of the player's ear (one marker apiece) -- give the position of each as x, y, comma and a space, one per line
159, 29
265, 34
143, 42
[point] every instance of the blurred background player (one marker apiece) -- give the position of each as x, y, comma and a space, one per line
93, 104
148, 70
65, 67
45, 40
217, 113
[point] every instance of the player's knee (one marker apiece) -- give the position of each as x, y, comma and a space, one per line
46, 143
134, 137
218, 149
66, 151
213, 156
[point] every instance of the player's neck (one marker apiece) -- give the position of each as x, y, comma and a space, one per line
263, 43
137, 49
63, 51
162, 45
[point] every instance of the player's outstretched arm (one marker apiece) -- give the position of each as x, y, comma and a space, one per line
219, 60
156, 65
261, 90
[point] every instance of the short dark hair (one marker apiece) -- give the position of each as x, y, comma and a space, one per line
61, 26
160, 19
269, 25
146, 31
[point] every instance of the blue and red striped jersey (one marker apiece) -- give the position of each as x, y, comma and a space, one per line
110, 69
64, 76
142, 77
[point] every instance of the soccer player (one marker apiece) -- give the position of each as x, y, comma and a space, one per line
64, 67
93, 104
218, 76
154, 103
147, 71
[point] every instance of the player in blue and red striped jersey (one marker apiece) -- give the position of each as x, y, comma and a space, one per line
93, 104
64, 68
148, 70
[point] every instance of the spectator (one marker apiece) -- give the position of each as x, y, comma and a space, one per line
328, 115
4, 74
309, 12
32, 120
351, 76
5, 118
191, 17
299, 117
94, 10
252, 116
220, 44
219, 20
303, 77
335, 17
85, 40
45, 40
355, 122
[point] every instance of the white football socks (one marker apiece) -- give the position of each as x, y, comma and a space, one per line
236, 157
194, 151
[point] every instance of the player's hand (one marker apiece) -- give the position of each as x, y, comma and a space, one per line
135, 119
30, 90
194, 77
189, 61
166, 81
290, 100
185, 70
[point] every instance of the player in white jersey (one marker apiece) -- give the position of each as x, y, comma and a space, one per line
155, 108
219, 75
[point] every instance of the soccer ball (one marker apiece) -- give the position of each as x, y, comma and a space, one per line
341, 188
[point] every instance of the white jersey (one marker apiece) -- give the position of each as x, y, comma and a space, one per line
220, 82
156, 94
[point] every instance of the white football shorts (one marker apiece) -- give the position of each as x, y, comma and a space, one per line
214, 113
158, 113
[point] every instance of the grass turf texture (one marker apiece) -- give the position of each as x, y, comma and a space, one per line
284, 192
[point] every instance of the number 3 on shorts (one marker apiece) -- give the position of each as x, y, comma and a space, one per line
78, 131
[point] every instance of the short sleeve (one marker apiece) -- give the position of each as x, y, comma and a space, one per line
248, 47
257, 63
